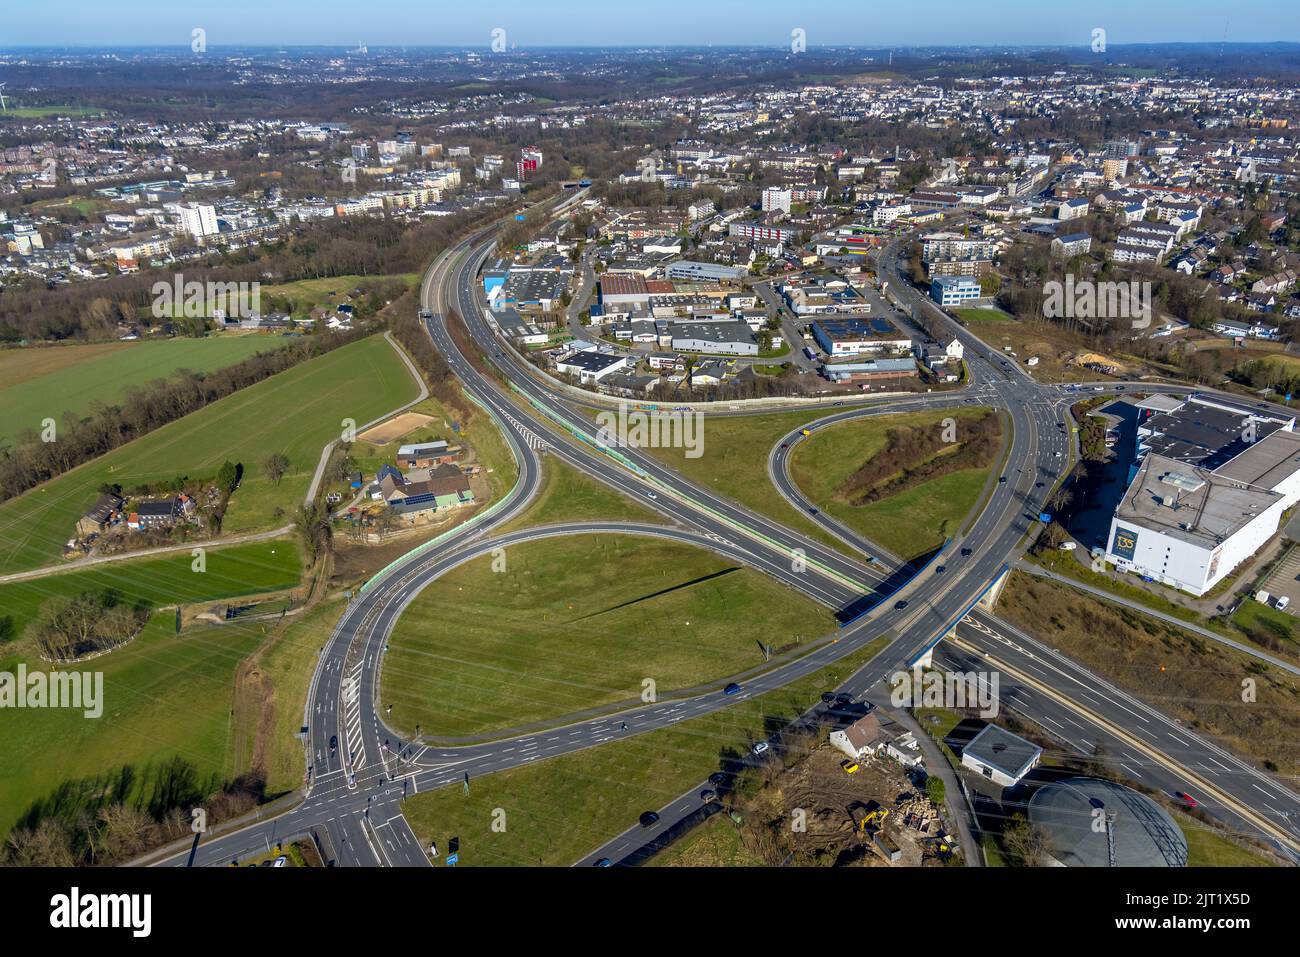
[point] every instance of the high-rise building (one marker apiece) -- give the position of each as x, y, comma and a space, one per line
775, 197
198, 219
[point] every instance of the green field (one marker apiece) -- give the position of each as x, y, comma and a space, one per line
79, 375
308, 294
164, 695
715, 843
1206, 847
167, 580
568, 495
295, 412
734, 463
36, 112
574, 623
907, 523
558, 810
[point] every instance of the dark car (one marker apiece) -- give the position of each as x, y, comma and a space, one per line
785, 445
1038, 484
731, 689
827, 697
604, 862
718, 777
1002, 480
900, 605
649, 819
334, 743
940, 569
966, 551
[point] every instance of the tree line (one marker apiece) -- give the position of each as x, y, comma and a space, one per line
146, 408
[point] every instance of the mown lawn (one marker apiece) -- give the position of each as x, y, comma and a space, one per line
560, 809
568, 495
573, 623
734, 463
41, 383
295, 412
907, 523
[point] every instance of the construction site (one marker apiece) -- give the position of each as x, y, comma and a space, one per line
825, 810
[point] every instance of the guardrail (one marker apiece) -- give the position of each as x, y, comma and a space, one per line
954, 622
910, 578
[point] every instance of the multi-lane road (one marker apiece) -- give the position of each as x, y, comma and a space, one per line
359, 770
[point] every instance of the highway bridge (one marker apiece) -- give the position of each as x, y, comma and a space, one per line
359, 770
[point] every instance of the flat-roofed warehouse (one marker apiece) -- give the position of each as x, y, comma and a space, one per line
853, 336
1189, 526
1203, 433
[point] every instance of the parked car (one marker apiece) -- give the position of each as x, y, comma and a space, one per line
760, 747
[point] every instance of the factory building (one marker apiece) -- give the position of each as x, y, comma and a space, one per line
1195, 510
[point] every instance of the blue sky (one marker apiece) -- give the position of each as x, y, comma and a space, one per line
629, 22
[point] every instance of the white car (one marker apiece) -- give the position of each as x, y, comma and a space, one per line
760, 747
280, 861
1282, 603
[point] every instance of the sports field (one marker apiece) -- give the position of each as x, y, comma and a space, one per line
574, 623
295, 413
48, 382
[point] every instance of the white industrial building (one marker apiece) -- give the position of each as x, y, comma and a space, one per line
1189, 523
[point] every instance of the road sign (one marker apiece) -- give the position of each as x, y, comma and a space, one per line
452, 859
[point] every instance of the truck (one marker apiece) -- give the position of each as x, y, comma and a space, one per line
888, 849
812, 356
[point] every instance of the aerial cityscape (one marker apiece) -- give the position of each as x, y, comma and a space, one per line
722, 437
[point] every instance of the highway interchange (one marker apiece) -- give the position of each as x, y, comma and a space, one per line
359, 770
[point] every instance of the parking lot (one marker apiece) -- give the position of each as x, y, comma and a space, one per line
1285, 581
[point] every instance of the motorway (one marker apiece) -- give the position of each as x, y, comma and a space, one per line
359, 770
